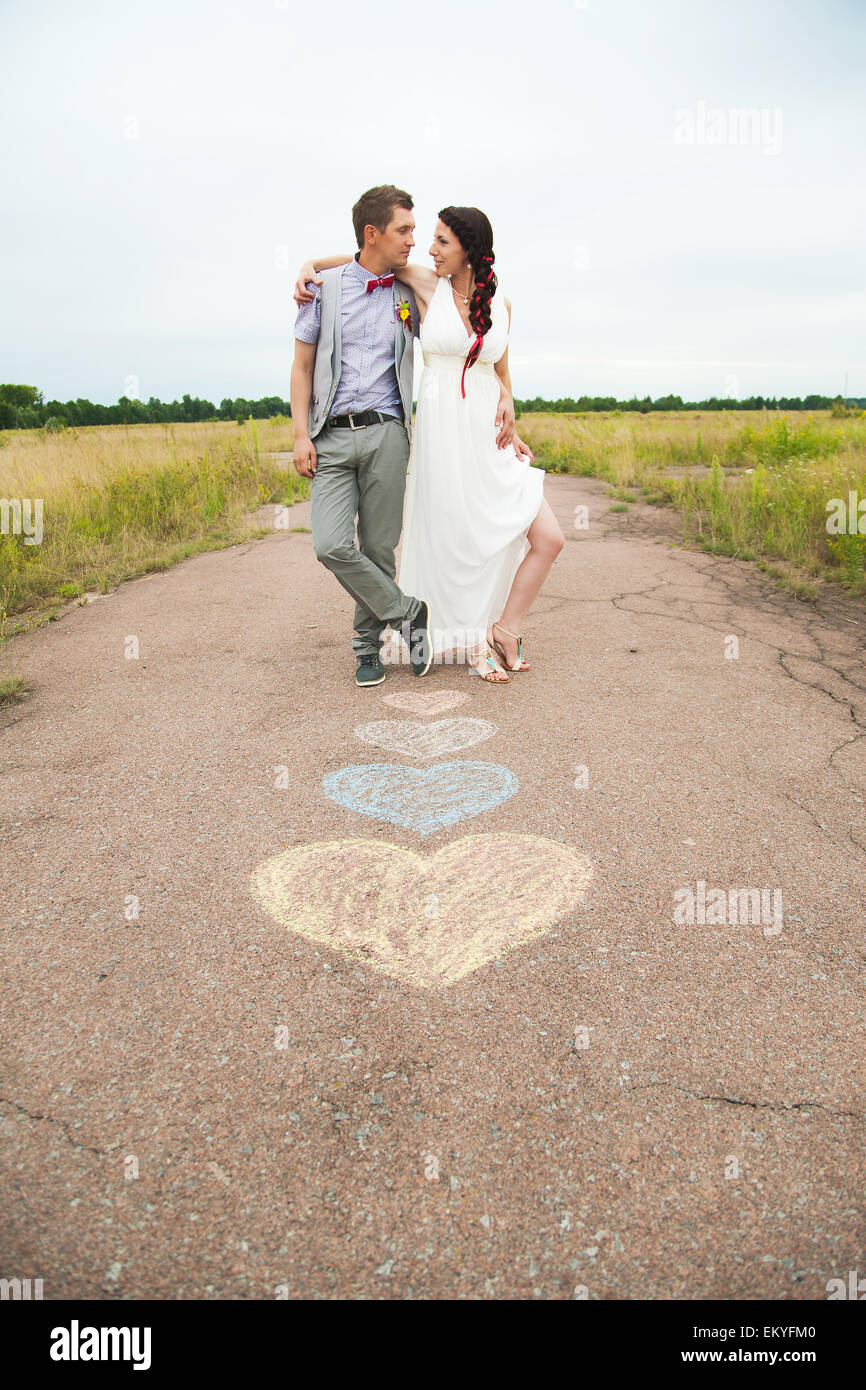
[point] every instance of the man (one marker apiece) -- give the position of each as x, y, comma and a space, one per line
352, 380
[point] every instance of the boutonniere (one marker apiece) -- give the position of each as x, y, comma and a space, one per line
404, 313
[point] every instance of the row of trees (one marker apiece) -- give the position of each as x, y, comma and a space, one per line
677, 403
23, 407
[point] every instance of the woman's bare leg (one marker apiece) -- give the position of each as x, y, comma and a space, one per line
545, 542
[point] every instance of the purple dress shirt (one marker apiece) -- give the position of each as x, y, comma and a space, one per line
368, 376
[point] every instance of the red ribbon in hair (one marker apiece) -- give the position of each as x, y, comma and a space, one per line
476, 347
472, 355
474, 350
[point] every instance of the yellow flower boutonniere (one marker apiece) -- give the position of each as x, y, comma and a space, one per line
404, 313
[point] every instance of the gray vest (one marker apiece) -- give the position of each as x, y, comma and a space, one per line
328, 363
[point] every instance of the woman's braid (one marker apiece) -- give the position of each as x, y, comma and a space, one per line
475, 234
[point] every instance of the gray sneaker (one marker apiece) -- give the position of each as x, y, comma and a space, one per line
416, 634
369, 671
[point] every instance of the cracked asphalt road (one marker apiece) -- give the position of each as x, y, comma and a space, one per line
459, 1141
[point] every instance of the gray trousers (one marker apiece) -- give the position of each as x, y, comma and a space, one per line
362, 473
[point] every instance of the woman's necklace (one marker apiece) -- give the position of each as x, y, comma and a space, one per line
464, 297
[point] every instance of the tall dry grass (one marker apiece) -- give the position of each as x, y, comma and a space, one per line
124, 500
752, 484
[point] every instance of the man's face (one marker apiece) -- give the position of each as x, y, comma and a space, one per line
397, 240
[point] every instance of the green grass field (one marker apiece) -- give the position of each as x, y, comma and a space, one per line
749, 484
119, 501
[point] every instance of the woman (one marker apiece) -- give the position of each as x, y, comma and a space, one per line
479, 538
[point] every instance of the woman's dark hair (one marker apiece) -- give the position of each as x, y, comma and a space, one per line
475, 234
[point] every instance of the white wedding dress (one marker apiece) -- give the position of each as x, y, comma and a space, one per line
469, 504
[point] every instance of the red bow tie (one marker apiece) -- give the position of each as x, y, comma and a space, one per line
385, 280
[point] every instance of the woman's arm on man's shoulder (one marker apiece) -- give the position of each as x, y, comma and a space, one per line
309, 271
421, 281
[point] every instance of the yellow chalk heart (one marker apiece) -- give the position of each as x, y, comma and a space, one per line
425, 919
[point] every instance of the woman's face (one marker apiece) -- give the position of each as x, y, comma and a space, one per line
449, 258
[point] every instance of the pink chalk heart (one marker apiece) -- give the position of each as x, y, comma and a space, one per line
410, 738
426, 701
425, 919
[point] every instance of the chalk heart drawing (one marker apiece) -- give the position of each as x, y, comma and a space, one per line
416, 740
421, 799
426, 701
426, 920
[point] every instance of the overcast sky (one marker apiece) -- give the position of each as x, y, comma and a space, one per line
168, 165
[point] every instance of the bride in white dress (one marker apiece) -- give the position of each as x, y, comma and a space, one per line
478, 536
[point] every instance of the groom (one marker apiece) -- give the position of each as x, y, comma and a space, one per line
352, 380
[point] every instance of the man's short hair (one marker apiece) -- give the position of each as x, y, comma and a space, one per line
375, 208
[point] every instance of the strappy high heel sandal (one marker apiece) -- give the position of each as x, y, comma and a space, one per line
492, 665
520, 664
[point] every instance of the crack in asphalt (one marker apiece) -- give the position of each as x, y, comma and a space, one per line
815, 685
64, 1125
812, 629
819, 825
778, 1107
781, 652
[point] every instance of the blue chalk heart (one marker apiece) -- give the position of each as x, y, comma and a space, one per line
422, 799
